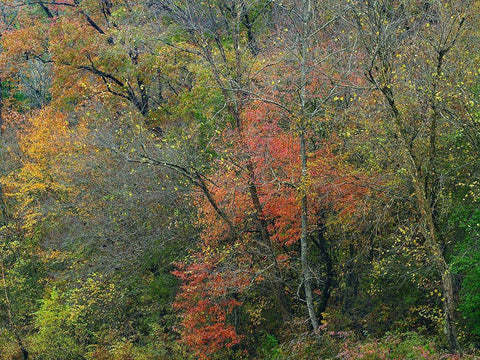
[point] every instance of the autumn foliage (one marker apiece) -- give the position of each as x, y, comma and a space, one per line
234, 179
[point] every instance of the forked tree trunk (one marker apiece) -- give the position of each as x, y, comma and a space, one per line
427, 226
381, 73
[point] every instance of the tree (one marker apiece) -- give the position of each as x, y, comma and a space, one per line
386, 30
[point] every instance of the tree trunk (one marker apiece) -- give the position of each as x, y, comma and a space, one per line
1, 107
278, 283
306, 273
351, 281
430, 235
427, 226
325, 258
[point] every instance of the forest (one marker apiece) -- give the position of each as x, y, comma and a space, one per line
239, 179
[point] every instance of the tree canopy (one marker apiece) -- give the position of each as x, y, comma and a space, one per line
239, 179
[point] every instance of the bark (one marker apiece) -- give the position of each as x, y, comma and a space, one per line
324, 257
278, 283
424, 184
141, 102
427, 224
3, 208
351, 280
90, 21
232, 80
252, 40
235, 100
328, 284
46, 10
431, 173
306, 272
1, 107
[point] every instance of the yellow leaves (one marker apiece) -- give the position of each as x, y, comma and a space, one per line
305, 186
52, 255
45, 136
49, 151
255, 313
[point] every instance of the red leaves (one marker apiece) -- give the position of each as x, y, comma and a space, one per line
206, 300
205, 328
265, 155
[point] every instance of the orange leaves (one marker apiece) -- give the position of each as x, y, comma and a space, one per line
331, 184
336, 184
206, 300
21, 44
265, 155
284, 210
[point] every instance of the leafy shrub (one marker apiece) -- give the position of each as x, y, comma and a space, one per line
406, 346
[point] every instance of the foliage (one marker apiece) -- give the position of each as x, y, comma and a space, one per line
239, 179
393, 346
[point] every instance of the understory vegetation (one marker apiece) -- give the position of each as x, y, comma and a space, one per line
239, 179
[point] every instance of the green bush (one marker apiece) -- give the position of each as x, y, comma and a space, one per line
467, 264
